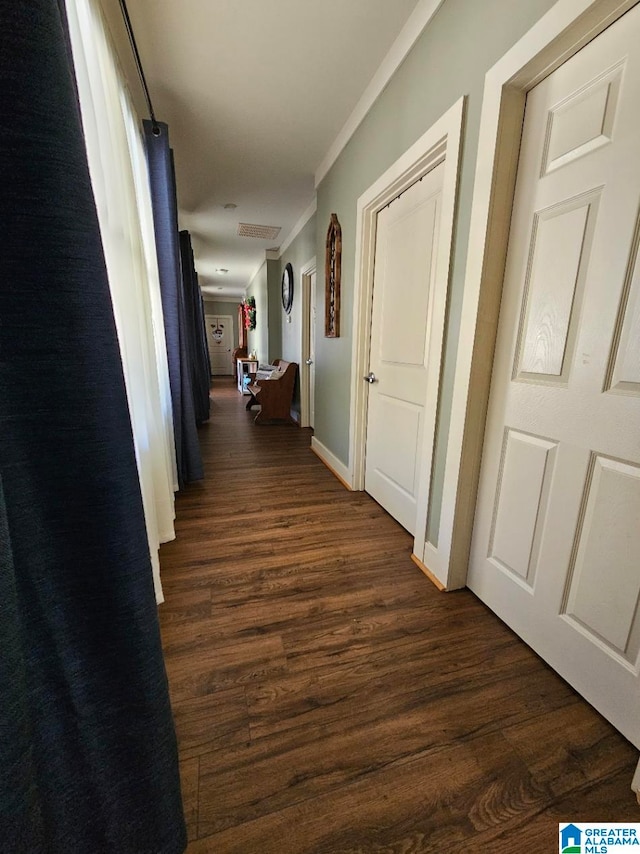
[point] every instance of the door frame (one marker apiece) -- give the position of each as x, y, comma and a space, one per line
306, 271
441, 143
568, 26
230, 317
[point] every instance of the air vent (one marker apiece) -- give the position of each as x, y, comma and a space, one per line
264, 232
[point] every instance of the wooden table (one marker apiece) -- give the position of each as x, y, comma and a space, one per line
245, 367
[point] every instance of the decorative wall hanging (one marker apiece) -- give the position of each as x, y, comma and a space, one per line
217, 332
242, 329
249, 313
287, 288
333, 260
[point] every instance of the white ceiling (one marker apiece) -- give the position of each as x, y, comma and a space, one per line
255, 92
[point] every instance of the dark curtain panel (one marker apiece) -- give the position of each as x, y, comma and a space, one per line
163, 197
196, 331
88, 760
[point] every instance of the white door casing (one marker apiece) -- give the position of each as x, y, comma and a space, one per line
308, 348
558, 35
219, 330
313, 320
403, 294
556, 543
440, 143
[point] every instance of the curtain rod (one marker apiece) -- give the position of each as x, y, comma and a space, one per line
136, 55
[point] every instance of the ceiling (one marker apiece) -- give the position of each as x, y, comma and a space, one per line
255, 92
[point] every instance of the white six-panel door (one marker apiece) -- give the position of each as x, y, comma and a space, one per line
312, 349
220, 343
556, 544
403, 293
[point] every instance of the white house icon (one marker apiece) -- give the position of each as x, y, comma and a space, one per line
570, 836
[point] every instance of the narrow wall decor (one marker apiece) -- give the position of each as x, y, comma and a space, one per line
332, 279
249, 313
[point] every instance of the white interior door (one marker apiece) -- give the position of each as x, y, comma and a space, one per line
403, 294
308, 349
220, 343
312, 349
556, 544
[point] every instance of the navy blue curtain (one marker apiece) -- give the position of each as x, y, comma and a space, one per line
196, 331
88, 759
165, 218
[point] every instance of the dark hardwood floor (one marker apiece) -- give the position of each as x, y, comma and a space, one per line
329, 699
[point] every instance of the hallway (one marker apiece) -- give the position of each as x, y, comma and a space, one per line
328, 698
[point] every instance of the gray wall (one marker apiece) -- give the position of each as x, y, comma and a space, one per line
275, 310
450, 59
214, 306
301, 250
258, 339
266, 339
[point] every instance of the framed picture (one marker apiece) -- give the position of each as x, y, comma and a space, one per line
333, 260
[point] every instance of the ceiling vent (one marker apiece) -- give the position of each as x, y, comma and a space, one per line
264, 232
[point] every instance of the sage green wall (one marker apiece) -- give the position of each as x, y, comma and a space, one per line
449, 60
258, 339
265, 339
275, 309
299, 252
224, 307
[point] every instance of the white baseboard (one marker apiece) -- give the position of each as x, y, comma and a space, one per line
332, 462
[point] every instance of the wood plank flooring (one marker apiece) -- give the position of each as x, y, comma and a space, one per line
329, 699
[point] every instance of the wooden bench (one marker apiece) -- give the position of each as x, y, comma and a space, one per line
274, 395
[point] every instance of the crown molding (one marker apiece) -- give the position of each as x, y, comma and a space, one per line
269, 255
297, 228
408, 36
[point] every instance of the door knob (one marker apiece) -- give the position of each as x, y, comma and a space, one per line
309, 362
371, 378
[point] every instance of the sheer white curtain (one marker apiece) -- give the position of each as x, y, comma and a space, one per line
119, 176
